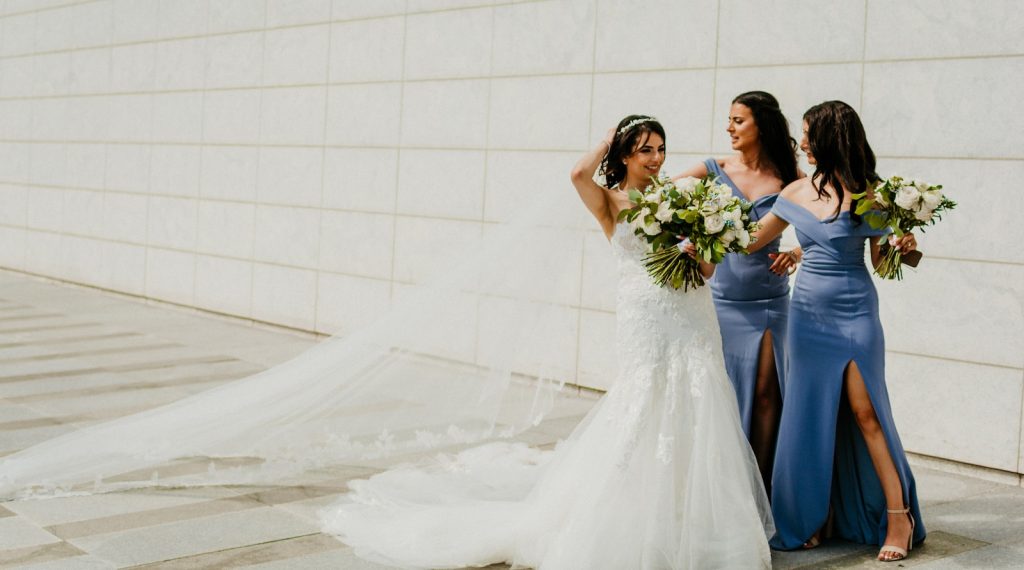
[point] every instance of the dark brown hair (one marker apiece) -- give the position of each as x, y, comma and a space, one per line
840, 147
778, 147
629, 134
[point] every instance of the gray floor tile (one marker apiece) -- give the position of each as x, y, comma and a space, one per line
936, 487
193, 537
818, 557
48, 512
16, 532
85, 562
993, 517
342, 559
15, 440
835, 554
991, 556
52, 554
316, 548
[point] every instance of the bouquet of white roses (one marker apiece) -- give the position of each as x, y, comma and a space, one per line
702, 210
903, 205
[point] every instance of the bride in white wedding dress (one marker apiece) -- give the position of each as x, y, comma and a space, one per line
658, 475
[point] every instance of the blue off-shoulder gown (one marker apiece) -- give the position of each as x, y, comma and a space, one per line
821, 457
749, 300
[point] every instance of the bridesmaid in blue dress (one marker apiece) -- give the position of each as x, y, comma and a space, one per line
839, 458
752, 302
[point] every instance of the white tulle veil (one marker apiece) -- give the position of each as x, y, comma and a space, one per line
476, 351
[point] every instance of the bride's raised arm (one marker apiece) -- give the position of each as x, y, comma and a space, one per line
595, 196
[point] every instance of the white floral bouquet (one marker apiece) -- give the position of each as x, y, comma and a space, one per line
701, 211
903, 205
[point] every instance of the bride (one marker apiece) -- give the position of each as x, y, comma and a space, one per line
658, 475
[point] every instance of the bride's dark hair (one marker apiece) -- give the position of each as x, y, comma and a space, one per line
778, 147
840, 147
627, 138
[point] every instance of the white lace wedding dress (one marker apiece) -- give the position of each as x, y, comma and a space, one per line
658, 475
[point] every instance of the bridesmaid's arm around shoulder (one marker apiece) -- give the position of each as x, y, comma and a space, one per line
772, 226
696, 171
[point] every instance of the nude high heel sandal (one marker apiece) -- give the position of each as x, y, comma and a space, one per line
900, 552
824, 532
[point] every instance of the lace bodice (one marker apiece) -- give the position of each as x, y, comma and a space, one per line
668, 342
646, 312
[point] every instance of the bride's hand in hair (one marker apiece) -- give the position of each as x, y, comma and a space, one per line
607, 140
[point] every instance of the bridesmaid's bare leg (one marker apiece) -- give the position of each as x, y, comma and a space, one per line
864, 413
764, 423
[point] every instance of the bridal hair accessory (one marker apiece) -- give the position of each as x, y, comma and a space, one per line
634, 123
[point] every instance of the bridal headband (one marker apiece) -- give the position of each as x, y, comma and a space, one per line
636, 122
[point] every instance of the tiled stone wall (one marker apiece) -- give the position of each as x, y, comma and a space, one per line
291, 161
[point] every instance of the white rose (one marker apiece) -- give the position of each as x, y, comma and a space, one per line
735, 216
922, 187
924, 214
652, 229
687, 185
665, 212
710, 206
743, 238
727, 236
654, 197
931, 198
907, 197
714, 223
638, 221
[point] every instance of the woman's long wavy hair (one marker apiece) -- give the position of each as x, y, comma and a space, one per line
844, 158
778, 147
625, 142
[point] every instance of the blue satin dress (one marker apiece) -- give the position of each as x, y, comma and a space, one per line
821, 457
749, 300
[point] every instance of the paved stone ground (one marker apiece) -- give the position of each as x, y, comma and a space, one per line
70, 357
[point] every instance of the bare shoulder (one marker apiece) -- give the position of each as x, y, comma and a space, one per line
797, 188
